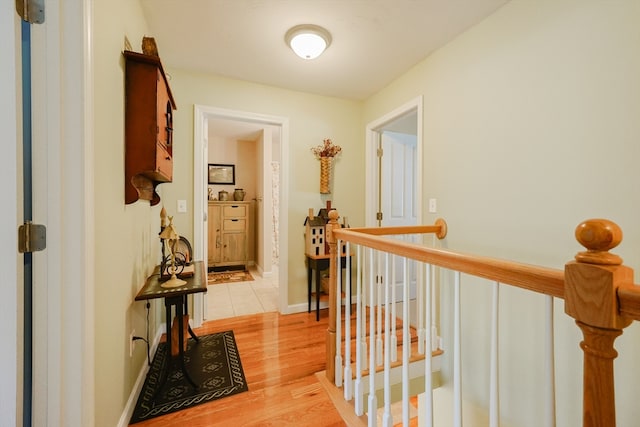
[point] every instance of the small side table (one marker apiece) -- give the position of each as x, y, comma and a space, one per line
319, 263
175, 297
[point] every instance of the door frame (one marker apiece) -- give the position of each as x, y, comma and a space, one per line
64, 272
202, 114
373, 133
10, 261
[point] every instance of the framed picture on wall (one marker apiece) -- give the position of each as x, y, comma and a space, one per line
222, 174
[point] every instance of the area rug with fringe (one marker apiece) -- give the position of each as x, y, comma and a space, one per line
215, 278
214, 365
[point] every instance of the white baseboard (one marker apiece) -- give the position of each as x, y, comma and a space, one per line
133, 397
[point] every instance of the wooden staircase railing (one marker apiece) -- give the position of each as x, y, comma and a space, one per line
598, 290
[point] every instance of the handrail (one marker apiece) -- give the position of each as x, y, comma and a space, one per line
547, 281
598, 291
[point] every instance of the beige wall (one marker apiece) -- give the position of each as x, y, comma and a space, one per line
126, 240
531, 126
311, 119
127, 247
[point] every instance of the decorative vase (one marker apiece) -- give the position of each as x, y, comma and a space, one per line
223, 195
325, 174
238, 195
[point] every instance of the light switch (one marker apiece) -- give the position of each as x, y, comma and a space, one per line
433, 206
182, 206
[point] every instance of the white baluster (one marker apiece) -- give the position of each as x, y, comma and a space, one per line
380, 289
394, 316
387, 418
359, 392
427, 415
348, 381
457, 365
550, 392
338, 302
373, 401
421, 300
494, 394
406, 342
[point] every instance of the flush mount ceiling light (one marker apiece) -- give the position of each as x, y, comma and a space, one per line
308, 41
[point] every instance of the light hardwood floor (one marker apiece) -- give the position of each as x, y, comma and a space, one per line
280, 355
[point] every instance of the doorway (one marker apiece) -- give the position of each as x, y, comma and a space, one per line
271, 161
394, 171
399, 135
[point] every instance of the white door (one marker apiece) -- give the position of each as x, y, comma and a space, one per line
398, 194
394, 174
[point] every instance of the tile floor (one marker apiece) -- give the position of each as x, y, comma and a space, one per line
237, 299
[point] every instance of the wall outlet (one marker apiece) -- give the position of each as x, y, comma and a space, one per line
182, 206
132, 342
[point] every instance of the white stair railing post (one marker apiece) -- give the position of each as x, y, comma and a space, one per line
359, 392
550, 392
380, 288
338, 302
421, 301
457, 365
373, 401
348, 376
494, 395
394, 314
427, 415
406, 341
387, 418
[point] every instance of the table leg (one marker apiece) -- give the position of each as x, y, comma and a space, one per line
186, 311
166, 368
318, 292
309, 272
181, 346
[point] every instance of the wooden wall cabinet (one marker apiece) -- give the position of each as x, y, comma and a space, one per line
228, 234
149, 107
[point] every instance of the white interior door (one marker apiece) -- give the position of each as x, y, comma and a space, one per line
394, 171
398, 194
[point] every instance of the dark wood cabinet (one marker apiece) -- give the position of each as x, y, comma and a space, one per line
149, 107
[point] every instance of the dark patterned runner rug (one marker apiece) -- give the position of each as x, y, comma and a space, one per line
213, 364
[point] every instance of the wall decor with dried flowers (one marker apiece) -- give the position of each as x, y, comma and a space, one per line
325, 152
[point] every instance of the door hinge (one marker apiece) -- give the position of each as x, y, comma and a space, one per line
379, 216
31, 237
380, 152
31, 11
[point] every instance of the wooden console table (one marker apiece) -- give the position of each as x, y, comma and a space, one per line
319, 263
175, 297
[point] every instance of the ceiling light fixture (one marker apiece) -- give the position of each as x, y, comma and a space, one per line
308, 41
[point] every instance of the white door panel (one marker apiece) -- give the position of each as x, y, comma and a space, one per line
399, 194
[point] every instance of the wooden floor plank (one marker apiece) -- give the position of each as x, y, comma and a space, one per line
280, 355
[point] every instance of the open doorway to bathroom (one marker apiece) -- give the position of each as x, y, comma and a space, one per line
257, 145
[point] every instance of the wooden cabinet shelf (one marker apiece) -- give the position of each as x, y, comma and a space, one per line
149, 107
228, 234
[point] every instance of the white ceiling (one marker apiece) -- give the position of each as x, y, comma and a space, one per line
374, 41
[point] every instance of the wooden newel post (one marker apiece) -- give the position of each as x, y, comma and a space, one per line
591, 285
333, 284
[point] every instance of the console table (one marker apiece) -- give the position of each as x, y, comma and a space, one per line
318, 263
175, 297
